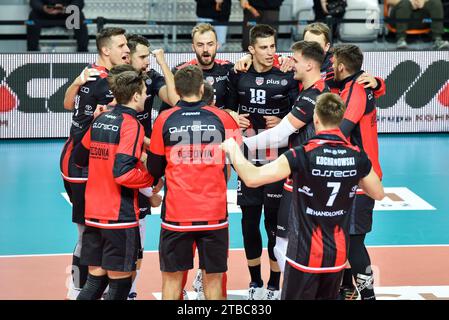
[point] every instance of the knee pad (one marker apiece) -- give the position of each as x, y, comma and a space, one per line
252, 238
271, 226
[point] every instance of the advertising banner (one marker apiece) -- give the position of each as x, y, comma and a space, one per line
32, 88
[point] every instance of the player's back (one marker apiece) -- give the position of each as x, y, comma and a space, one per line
361, 110
325, 181
110, 152
188, 136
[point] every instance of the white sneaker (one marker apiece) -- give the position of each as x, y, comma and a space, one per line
198, 285
72, 292
272, 294
255, 293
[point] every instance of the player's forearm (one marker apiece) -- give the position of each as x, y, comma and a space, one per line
70, 95
173, 97
248, 172
275, 137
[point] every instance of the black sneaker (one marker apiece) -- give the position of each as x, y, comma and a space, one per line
348, 293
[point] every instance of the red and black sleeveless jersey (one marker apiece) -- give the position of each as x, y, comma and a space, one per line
326, 171
217, 77
112, 148
360, 119
185, 146
89, 95
154, 83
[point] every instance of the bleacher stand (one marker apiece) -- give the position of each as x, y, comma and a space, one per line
52, 13
360, 9
418, 10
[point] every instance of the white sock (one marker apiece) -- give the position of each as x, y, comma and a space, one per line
134, 285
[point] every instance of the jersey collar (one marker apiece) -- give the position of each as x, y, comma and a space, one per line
125, 109
185, 104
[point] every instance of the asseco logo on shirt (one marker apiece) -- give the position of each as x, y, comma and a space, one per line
104, 126
194, 128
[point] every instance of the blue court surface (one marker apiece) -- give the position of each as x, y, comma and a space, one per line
35, 218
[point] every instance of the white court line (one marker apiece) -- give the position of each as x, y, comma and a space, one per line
232, 249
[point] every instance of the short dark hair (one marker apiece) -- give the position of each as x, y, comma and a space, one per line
260, 31
104, 36
134, 40
350, 55
115, 70
208, 95
319, 28
126, 84
310, 49
188, 81
330, 108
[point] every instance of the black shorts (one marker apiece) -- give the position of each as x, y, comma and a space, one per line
75, 190
284, 213
268, 195
361, 215
176, 250
144, 206
111, 249
300, 285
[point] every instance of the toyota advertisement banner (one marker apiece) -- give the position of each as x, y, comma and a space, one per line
32, 88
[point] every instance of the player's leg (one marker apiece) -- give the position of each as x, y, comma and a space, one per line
120, 253
272, 292
213, 255
252, 240
135, 277
272, 201
250, 201
299, 285
358, 256
79, 271
280, 249
329, 286
361, 267
175, 259
91, 254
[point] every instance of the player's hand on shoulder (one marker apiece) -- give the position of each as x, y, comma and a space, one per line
367, 80
99, 110
88, 74
285, 64
244, 63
